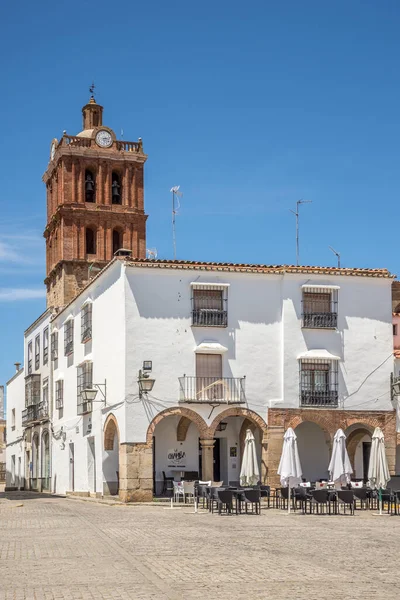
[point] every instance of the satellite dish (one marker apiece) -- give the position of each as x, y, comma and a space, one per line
151, 253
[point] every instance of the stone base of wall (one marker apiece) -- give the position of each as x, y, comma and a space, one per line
135, 472
330, 420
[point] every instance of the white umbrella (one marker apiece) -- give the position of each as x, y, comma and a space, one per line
339, 467
249, 473
289, 467
378, 470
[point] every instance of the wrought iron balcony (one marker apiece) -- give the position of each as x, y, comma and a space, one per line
42, 410
29, 415
311, 398
209, 317
320, 320
212, 390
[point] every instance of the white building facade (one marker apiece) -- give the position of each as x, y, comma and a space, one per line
227, 348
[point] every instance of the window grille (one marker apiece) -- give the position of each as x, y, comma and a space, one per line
54, 345
29, 358
46, 346
59, 393
37, 352
86, 322
69, 337
320, 306
32, 390
318, 383
209, 306
84, 382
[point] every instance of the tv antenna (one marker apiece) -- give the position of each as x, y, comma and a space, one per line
176, 194
296, 213
151, 253
337, 254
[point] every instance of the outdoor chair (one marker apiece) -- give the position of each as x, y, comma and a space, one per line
361, 495
319, 501
252, 498
345, 498
395, 503
188, 490
167, 484
178, 491
224, 501
202, 493
213, 497
387, 498
282, 498
190, 476
265, 492
299, 496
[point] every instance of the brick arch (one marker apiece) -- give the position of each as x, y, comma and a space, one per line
110, 429
239, 412
368, 421
318, 419
182, 429
179, 412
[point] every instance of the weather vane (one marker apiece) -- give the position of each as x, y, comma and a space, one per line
91, 89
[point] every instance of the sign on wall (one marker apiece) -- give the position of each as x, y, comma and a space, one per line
176, 458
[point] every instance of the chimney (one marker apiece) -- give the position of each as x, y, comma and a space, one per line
17, 366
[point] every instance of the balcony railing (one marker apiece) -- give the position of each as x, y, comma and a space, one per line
29, 415
75, 141
320, 320
42, 410
212, 390
319, 398
209, 317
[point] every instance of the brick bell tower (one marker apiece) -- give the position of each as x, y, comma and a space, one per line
95, 204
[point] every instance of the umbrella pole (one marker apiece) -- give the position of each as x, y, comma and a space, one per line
288, 499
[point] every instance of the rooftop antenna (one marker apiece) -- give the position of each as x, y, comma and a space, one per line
296, 213
176, 194
337, 254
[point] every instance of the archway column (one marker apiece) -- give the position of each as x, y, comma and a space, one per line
207, 459
273, 452
135, 472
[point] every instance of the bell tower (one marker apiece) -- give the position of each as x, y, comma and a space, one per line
95, 204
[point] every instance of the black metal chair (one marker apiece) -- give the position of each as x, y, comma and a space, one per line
265, 492
190, 476
282, 498
395, 504
213, 497
166, 481
345, 498
299, 496
252, 498
224, 501
319, 500
361, 495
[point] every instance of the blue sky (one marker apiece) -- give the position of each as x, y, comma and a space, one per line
247, 106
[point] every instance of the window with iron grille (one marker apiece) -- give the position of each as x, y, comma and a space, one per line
319, 382
209, 306
320, 306
54, 345
37, 352
84, 382
69, 337
46, 346
30, 351
59, 393
32, 390
86, 322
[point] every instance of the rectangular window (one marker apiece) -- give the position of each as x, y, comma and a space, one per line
60, 393
86, 322
13, 419
69, 337
209, 306
32, 390
54, 345
37, 352
30, 358
46, 346
318, 383
209, 377
43, 408
84, 382
320, 306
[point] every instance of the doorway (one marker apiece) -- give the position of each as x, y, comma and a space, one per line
366, 453
71, 467
91, 465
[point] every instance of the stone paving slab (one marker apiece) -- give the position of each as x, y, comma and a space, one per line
54, 549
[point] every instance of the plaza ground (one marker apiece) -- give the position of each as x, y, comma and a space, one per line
59, 548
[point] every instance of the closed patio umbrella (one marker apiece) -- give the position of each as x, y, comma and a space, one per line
249, 473
339, 467
378, 470
289, 467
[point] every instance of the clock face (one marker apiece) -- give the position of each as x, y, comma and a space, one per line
104, 139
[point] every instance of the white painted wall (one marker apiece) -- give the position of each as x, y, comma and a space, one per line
15, 394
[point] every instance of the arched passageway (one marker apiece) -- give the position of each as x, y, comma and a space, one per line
314, 450
111, 456
358, 443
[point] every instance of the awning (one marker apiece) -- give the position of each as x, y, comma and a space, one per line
216, 284
210, 348
320, 286
317, 354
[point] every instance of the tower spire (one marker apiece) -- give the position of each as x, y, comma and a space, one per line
92, 112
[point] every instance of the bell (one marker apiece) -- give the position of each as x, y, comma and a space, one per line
115, 192
89, 185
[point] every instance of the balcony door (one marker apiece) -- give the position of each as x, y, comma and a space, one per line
209, 376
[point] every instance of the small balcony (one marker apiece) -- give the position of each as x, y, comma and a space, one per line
320, 320
212, 390
42, 410
319, 398
209, 317
29, 415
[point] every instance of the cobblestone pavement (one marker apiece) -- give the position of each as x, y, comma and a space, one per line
57, 548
